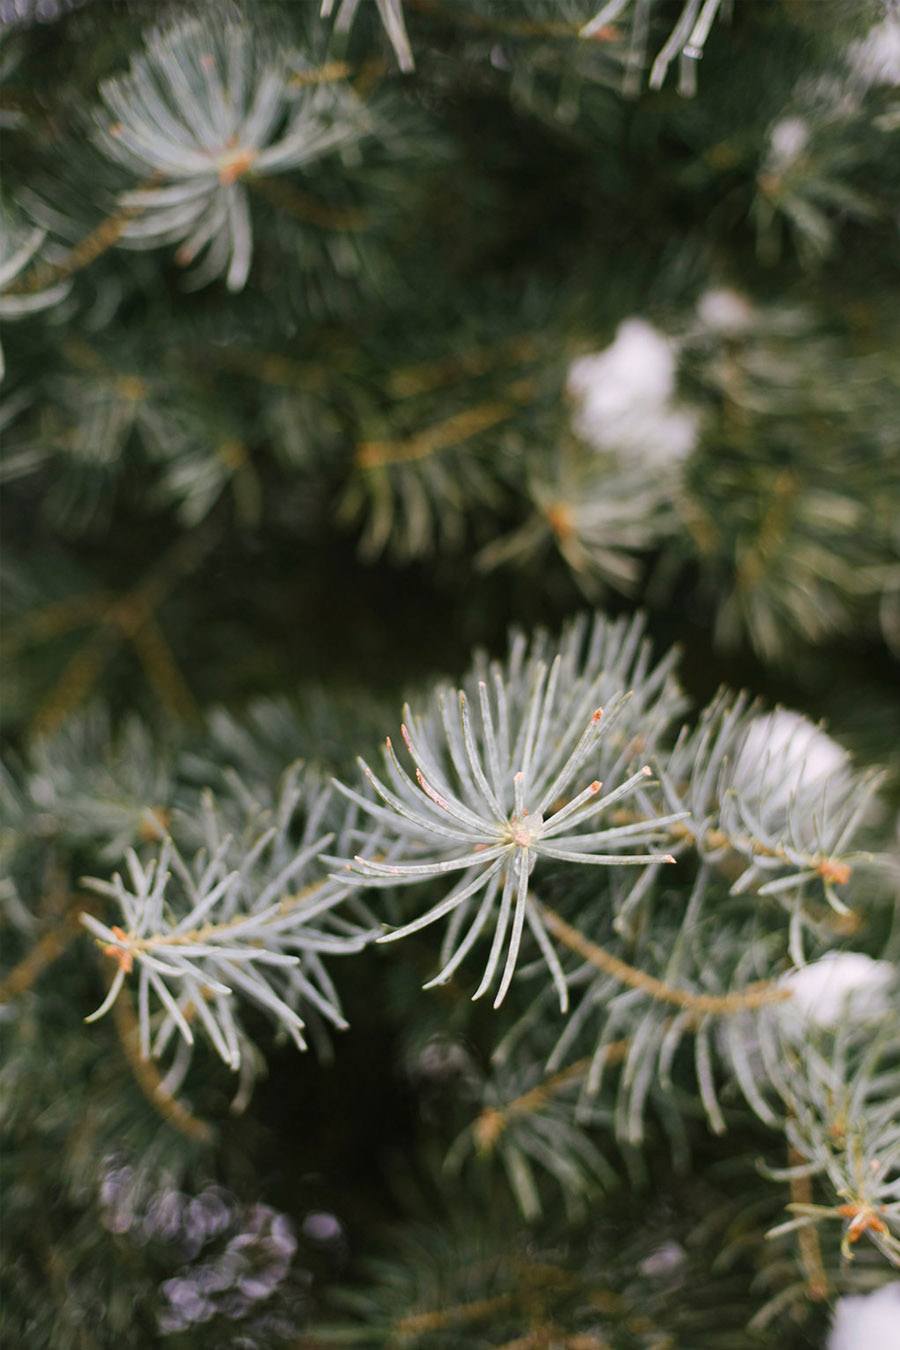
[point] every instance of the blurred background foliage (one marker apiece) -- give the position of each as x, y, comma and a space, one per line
549, 328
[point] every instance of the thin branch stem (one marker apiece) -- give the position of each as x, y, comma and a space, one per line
754, 996
162, 671
124, 617
331, 73
752, 564
420, 1324
94, 244
425, 376
209, 932
808, 1238
44, 952
831, 869
442, 435
493, 1120
173, 1112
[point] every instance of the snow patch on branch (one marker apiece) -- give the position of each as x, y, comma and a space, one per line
624, 394
863, 1321
838, 985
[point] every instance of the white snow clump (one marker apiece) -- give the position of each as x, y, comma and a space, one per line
839, 985
623, 397
867, 1321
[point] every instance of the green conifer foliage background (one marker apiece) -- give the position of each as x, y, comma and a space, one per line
339, 341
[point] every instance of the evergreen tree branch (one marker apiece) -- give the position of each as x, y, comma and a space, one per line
148, 1079
442, 435
808, 1244
494, 1119
53, 620
743, 1000
424, 377
718, 841
200, 936
74, 684
98, 241
124, 618
329, 73
461, 1314
162, 671
131, 944
48, 949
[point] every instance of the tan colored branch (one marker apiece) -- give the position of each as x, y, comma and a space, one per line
146, 1074
551, 1337
754, 560
754, 996
61, 616
461, 1314
808, 1237
73, 685
98, 241
426, 376
162, 671
442, 435
131, 946
44, 952
698, 523
833, 870
273, 368
124, 617
330, 73
494, 1119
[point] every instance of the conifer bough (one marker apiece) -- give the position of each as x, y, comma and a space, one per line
492, 795
198, 111
560, 740
249, 914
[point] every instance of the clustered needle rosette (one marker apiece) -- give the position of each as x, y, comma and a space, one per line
844, 1098
491, 790
201, 109
232, 907
773, 796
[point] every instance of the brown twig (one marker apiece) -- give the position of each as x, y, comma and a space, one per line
461, 1314
494, 1119
61, 616
126, 617
73, 685
754, 996
129, 946
146, 1074
44, 952
752, 563
425, 376
833, 870
330, 73
452, 431
552, 1337
162, 671
274, 368
808, 1237
97, 242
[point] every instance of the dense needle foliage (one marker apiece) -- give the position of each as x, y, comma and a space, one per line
452, 539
